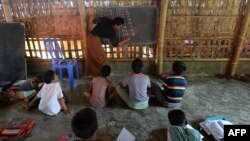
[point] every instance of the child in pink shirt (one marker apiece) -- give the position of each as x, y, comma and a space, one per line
100, 88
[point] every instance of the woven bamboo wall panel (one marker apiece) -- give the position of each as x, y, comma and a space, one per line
55, 18
245, 53
202, 18
202, 28
72, 48
191, 26
194, 28
106, 3
248, 32
131, 51
206, 7
199, 48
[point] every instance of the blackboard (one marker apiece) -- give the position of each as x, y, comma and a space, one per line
12, 52
140, 22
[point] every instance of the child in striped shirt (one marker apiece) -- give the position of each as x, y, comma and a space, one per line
174, 87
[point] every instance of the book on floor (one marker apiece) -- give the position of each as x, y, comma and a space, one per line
215, 127
17, 127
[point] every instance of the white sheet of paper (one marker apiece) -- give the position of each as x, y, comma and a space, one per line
125, 135
10, 131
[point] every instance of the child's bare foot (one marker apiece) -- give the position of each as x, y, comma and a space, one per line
26, 106
87, 94
26, 100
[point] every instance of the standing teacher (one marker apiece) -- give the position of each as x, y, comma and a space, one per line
101, 28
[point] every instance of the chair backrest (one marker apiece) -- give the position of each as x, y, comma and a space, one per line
54, 49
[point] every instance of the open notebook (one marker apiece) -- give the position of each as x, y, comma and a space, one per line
215, 128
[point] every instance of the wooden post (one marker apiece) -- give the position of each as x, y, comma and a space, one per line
82, 11
240, 41
7, 11
160, 43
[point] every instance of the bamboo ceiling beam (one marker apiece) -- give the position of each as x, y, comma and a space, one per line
160, 43
7, 11
240, 40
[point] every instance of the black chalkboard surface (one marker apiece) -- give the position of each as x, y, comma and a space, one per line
140, 22
12, 52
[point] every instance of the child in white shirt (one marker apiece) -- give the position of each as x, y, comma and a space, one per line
51, 96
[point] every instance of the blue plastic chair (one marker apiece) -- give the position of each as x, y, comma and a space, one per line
59, 62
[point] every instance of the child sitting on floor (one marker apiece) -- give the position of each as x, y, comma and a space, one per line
23, 88
136, 95
50, 95
178, 130
174, 87
100, 92
84, 126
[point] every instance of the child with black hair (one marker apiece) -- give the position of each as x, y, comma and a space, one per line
101, 28
178, 130
101, 91
105, 27
84, 125
174, 86
50, 95
135, 86
23, 88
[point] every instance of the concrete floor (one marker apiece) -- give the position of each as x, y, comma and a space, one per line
205, 96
